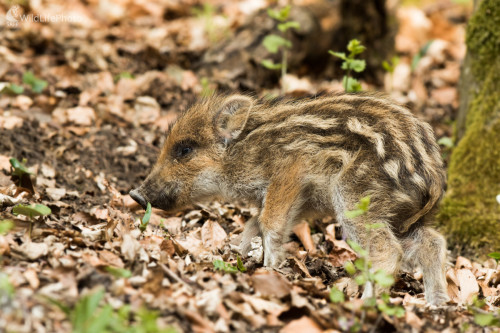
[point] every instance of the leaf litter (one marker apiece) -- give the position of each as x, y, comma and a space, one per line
90, 121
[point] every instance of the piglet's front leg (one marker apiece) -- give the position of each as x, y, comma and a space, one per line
281, 207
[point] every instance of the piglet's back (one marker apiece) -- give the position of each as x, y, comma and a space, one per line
364, 144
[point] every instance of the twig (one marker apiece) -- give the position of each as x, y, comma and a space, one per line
174, 276
379, 318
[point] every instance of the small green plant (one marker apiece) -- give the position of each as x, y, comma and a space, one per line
206, 88
494, 255
31, 212
446, 142
215, 32
124, 75
361, 208
275, 43
420, 54
118, 272
11, 88
87, 316
5, 226
350, 63
484, 318
37, 85
364, 275
19, 168
390, 66
228, 267
146, 218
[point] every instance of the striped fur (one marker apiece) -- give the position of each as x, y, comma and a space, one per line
312, 157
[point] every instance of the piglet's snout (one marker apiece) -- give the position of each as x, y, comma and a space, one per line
139, 198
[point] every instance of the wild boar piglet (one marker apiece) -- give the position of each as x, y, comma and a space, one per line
296, 159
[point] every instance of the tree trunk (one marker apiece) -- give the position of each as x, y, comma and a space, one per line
470, 213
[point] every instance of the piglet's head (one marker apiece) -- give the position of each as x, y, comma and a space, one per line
189, 168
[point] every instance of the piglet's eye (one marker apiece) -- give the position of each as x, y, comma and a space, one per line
183, 149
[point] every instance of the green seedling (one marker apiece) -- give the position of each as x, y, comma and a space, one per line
350, 63
11, 88
124, 75
37, 85
31, 212
336, 295
21, 174
276, 43
118, 272
146, 218
206, 88
215, 32
229, 268
363, 274
361, 208
390, 66
5, 226
495, 255
420, 54
19, 168
446, 142
88, 316
484, 318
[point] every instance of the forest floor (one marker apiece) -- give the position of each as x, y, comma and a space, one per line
113, 83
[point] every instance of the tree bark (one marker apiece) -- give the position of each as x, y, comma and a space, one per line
470, 213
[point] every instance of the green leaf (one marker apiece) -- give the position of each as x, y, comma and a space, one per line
340, 55
273, 42
357, 248
19, 167
374, 226
283, 27
484, 319
357, 65
6, 226
224, 266
387, 66
239, 265
361, 208
145, 219
446, 141
350, 214
269, 64
360, 280
13, 88
494, 255
349, 268
279, 15
383, 279
336, 295
360, 264
420, 54
36, 84
118, 272
124, 75
351, 84
355, 47
31, 210
5, 286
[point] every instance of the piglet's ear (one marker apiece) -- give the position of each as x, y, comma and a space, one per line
231, 118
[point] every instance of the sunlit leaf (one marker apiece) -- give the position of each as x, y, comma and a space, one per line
336, 295
32, 210
273, 43
269, 64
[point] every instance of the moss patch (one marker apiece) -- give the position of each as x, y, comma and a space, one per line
470, 214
